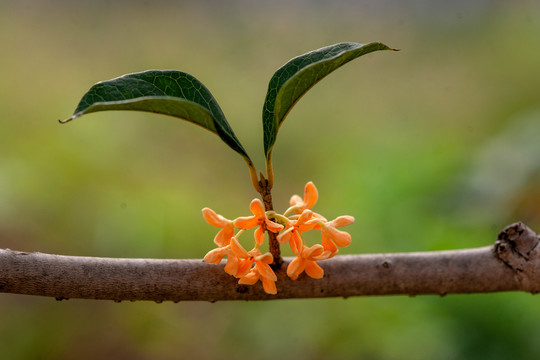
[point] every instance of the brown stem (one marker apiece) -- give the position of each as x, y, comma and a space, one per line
266, 193
513, 264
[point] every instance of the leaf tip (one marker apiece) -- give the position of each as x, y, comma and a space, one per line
67, 120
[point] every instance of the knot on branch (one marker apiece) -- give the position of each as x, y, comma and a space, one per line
518, 247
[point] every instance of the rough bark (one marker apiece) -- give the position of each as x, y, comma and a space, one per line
511, 264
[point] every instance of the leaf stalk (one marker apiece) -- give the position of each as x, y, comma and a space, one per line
253, 175
269, 170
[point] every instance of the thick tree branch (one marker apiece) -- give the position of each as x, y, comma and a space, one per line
513, 263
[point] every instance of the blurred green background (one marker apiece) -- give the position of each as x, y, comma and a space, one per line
434, 147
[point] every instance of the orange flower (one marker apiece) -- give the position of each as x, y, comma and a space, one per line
253, 266
249, 274
247, 258
330, 236
260, 219
310, 198
223, 237
305, 260
216, 255
294, 230
267, 277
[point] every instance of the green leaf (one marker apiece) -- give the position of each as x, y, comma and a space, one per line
167, 92
296, 77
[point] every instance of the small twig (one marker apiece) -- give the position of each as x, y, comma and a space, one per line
273, 244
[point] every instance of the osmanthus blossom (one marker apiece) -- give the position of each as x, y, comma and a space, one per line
216, 255
261, 271
311, 196
299, 205
259, 219
295, 228
254, 275
248, 258
330, 236
223, 237
251, 266
305, 260
248, 273
222, 240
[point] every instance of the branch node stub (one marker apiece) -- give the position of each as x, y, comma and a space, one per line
518, 247
519, 238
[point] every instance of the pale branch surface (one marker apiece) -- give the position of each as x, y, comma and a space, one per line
511, 264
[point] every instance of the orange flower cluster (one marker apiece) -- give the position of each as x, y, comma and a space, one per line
252, 266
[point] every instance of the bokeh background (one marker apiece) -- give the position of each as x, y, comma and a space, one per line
430, 148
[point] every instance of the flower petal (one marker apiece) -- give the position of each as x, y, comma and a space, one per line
342, 221
266, 271
269, 286
215, 256
238, 250
310, 195
305, 216
341, 238
325, 255
296, 243
259, 236
246, 222
250, 278
315, 250
257, 208
295, 200
243, 268
327, 243
295, 268
285, 236
317, 221
272, 226
254, 253
314, 270
266, 258
223, 237
231, 267
213, 218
